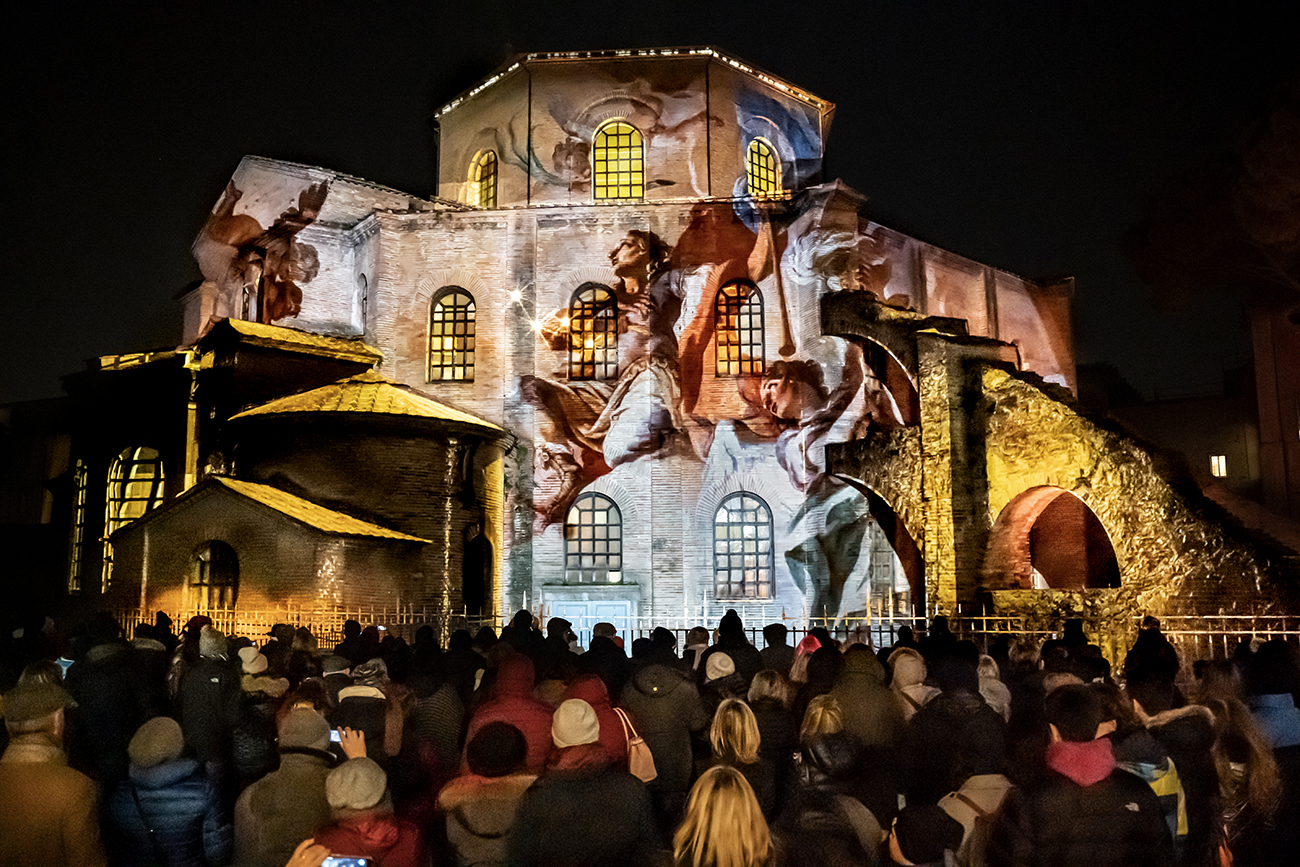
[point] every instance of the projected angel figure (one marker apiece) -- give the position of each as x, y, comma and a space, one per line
622, 399
259, 271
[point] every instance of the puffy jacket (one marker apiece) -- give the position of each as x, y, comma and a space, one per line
480, 814
513, 702
666, 708
181, 805
591, 689
377, 835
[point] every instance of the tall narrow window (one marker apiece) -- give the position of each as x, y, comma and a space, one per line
593, 541
451, 336
617, 162
214, 577
77, 550
743, 564
739, 308
762, 168
135, 485
593, 333
1219, 465
482, 189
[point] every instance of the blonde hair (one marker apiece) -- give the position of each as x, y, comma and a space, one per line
772, 685
734, 733
724, 826
989, 667
823, 717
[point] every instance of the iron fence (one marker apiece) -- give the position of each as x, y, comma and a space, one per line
1196, 637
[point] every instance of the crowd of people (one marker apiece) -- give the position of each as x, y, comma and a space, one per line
520, 748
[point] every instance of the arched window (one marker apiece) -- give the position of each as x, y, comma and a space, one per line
762, 168
451, 336
481, 191
743, 565
593, 541
135, 485
739, 308
214, 577
617, 162
593, 333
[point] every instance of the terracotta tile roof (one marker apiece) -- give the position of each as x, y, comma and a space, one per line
368, 393
302, 341
307, 512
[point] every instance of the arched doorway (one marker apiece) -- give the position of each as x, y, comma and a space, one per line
897, 570
214, 578
1048, 538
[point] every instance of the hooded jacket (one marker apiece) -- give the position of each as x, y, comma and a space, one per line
181, 805
591, 689
871, 711
283, 808
480, 814
666, 707
513, 702
908, 681
1086, 812
375, 834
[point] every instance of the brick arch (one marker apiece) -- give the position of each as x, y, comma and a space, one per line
734, 483
1056, 532
571, 280
629, 505
435, 281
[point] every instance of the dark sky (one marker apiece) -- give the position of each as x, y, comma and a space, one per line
1023, 135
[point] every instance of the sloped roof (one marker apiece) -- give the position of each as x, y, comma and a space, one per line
309, 513
277, 337
368, 393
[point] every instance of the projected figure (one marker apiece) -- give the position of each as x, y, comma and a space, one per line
589, 426
828, 551
258, 272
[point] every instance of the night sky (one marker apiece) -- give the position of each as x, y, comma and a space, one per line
1023, 135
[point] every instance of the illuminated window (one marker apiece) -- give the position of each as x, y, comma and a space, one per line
743, 564
481, 191
214, 577
739, 308
593, 333
593, 541
1219, 465
762, 168
135, 485
77, 549
617, 162
451, 336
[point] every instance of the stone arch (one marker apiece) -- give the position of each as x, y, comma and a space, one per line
895, 378
435, 281
1048, 537
900, 539
571, 280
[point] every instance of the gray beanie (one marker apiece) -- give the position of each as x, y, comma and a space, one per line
357, 784
211, 642
304, 727
156, 742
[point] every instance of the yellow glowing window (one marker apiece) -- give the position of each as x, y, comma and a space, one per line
451, 336
743, 561
135, 485
1219, 465
762, 168
617, 162
482, 189
739, 308
593, 333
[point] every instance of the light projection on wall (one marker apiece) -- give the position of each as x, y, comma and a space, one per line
666, 366
259, 272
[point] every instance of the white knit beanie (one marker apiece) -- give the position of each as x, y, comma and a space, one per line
574, 723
